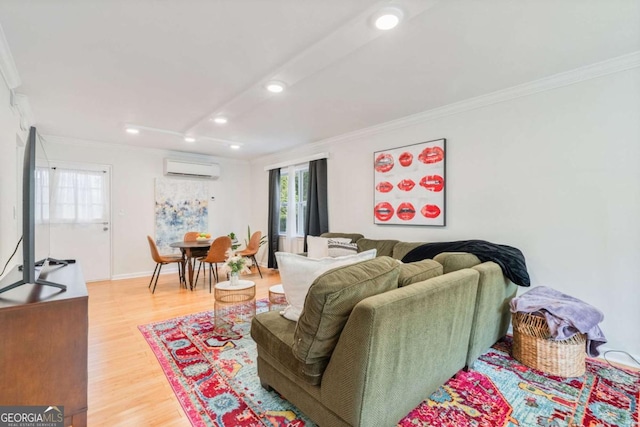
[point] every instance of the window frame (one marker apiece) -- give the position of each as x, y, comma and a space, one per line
295, 216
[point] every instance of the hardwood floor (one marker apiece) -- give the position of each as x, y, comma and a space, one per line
126, 385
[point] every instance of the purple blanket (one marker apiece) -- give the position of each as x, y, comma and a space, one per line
566, 315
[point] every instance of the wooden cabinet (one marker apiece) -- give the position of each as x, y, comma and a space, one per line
43, 344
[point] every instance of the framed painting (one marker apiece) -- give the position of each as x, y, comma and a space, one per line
410, 184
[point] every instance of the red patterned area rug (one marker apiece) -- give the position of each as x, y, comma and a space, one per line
209, 360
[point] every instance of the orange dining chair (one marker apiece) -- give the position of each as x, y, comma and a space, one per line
217, 253
252, 249
192, 236
162, 260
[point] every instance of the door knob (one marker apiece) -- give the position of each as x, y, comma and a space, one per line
105, 228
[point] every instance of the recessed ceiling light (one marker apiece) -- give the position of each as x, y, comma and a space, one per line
133, 131
275, 87
234, 147
387, 18
220, 120
189, 139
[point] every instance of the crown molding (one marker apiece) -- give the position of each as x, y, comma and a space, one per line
7, 64
21, 103
599, 69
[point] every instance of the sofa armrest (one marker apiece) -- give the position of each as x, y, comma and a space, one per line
398, 347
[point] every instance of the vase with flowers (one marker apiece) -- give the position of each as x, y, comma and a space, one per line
234, 266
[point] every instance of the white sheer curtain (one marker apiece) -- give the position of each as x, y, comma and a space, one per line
42, 195
78, 196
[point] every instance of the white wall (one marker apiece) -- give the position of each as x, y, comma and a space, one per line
555, 174
133, 196
9, 131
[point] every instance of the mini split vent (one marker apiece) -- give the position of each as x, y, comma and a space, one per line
191, 169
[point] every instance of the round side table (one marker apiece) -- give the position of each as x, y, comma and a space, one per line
276, 295
245, 290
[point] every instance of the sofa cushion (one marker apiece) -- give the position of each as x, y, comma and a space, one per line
454, 261
274, 335
418, 271
403, 248
353, 236
318, 247
338, 247
383, 247
297, 272
330, 300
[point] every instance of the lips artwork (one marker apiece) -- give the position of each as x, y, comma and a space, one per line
431, 155
384, 163
410, 184
405, 159
406, 211
384, 187
432, 182
430, 211
406, 185
383, 211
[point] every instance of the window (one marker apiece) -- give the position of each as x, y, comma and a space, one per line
42, 195
78, 196
294, 182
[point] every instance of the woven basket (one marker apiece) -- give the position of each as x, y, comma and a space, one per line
532, 346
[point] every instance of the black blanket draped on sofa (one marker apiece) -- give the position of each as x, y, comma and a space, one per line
510, 259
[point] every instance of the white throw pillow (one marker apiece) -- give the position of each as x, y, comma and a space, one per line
338, 248
318, 247
298, 272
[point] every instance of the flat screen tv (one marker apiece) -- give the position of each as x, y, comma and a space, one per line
35, 233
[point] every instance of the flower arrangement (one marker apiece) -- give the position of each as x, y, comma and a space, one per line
235, 264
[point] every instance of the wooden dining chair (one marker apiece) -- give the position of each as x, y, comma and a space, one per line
252, 249
162, 260
217, 254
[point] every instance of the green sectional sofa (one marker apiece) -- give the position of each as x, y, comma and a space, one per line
492, 315
376, 338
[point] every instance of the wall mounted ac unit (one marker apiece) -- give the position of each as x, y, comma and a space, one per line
191, 169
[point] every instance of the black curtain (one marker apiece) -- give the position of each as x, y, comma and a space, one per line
274, 216
317, 207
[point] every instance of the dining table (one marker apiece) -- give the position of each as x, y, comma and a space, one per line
190, 251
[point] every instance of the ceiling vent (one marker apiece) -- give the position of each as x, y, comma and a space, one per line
191, 169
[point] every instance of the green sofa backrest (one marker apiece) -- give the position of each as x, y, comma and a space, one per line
383, 247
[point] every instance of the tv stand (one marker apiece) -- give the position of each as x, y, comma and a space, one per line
40, 281
44, 338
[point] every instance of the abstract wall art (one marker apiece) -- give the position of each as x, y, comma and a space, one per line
181, 206
410, 184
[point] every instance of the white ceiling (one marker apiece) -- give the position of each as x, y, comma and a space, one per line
89, 67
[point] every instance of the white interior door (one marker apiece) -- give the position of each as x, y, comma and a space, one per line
80, 215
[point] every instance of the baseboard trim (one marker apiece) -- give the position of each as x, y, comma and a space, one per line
166, 270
